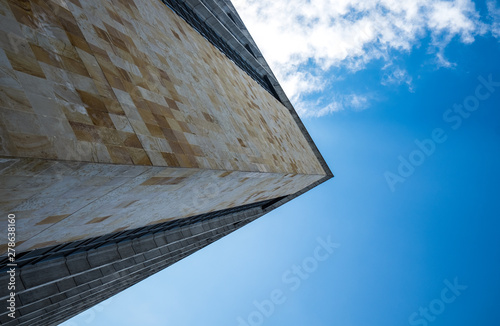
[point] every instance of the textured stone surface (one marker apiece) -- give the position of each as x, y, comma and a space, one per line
117, 114
65, 202
129, 82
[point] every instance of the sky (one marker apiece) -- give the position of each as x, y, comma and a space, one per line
402, 98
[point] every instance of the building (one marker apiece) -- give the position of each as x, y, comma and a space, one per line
132, 134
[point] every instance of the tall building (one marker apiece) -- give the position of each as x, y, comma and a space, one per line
132, 134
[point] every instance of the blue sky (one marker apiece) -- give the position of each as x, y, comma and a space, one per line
421, 247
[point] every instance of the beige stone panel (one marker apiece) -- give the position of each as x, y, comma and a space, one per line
57, 201
139, 60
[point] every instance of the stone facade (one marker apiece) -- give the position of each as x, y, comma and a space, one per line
58, 202
133, 133
130, 83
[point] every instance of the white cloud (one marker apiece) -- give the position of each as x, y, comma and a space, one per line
335, 103
299, 82
349, 34
494, 14
397, 76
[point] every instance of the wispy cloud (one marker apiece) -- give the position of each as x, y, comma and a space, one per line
334, 103
296, 36
397, 76
494, 15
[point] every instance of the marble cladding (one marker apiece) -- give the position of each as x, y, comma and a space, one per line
130, 82
116, 114
57, 202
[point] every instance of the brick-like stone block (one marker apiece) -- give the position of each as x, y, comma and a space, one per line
103, 255
39, 305
5, 282
44, 272
123, 264
110, 278
107, 270
152, 254
76, 290
39, 293
77, 263
186, 242
125, 249
19, 284
198, 237
143, 244
173, 235
95, 284
135, 268
156, 260
205, 225
87, 277
165, 250
214, 223
196, 229
174, 246
8, 321
31, 318
139, 259
70, 300
58, 297
160, 239
66, 284
186, 232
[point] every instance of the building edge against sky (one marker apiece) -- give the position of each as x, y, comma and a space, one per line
129, 143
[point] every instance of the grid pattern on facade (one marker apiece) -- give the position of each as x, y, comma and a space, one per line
66, 249
131, 82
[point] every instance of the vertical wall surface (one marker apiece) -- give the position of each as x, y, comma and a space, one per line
130, 83
133, 133
57, 202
